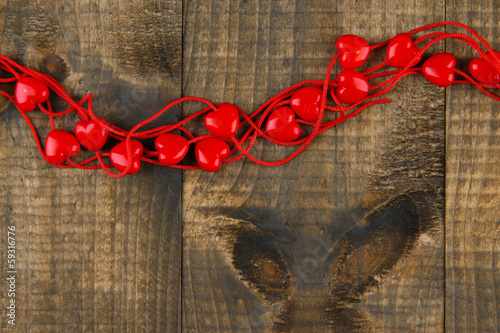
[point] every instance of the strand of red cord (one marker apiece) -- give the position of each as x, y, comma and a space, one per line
254, 122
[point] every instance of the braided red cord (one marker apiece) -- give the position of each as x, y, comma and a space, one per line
255, 120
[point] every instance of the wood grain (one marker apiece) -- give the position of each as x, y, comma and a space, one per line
350, 236
244, 52
93, 253
472, 191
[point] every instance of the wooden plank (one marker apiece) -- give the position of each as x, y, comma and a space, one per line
472, 191
301, 247
93, 253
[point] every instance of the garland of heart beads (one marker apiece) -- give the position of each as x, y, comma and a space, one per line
306, 100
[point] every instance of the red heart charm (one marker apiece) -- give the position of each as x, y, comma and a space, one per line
30, 92
438, 69
401, 50
483, 71
90, 134
59, 145
305, 102
353, 50
353, 87
210, 152
171, 148
224, 121
282, 126
118, 156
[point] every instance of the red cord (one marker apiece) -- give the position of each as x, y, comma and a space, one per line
255, 120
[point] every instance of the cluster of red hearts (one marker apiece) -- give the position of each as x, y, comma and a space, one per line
230, 133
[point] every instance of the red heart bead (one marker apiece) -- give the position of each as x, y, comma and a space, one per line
118, 156
224, 121
401, 50
282, 126
483, 71
438, 69
353, 50
59, 145
210, 152
90, 134
353, 87
171, 148
30, 92
305, 102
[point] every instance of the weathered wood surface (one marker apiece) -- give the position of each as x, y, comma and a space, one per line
301, 247
473, 189
93, 253
350, 236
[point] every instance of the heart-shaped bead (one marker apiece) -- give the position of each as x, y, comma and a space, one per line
353, 87
438, 69
353, 50
118, 156
171, 148
306, 102
59, 145
224, 121
210, 152
90, 134
29, 92
282, 126
401, 50
483, 71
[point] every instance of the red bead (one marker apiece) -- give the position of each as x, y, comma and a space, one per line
353, 87
306, 102
171, 148
353, 50
59, 145
483, 71
282, 126
224, 121
210, 153
30, 92
401, 50
118, 156
90, 134
438, 69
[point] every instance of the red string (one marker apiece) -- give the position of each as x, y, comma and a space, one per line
254, 122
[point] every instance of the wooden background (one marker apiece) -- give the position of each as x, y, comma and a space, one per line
386, 223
